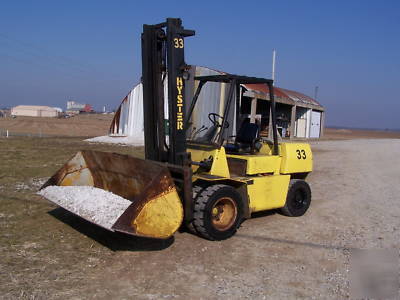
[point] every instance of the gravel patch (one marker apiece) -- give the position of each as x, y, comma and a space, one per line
37, 182
93, 204
22, 186
32, 184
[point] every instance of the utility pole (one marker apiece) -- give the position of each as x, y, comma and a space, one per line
316, 92
273, 64
273, 78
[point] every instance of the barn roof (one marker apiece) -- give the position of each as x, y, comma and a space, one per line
281, 93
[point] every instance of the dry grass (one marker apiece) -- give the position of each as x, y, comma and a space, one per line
33, 263
349, 134
81, 125
98, 125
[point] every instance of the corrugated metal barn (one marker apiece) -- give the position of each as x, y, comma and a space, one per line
298, 116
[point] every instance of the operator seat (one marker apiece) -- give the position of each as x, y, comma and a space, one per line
246, 138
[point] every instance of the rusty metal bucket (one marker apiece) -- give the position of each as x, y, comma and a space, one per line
153, 207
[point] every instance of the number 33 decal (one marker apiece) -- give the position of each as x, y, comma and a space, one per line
178, 43
301, 154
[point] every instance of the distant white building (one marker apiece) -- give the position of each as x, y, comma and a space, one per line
34, 111
58, 109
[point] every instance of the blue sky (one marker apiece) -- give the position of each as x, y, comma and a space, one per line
89, 51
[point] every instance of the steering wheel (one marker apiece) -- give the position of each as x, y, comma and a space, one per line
213, 117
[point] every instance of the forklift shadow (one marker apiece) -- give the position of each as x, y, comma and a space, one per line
294, 243
284, 241
114, 241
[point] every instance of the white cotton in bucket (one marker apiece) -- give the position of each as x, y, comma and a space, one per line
96, 205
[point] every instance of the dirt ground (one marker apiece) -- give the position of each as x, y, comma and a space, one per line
48, 253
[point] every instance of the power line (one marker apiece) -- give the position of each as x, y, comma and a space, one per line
59, 59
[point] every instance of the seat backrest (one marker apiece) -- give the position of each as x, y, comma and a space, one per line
247, 133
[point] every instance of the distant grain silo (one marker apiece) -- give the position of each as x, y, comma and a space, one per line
74, 108
34, 111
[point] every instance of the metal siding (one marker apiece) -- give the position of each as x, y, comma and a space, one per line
209, 99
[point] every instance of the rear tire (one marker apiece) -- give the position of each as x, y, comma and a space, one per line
298, 199
218, 211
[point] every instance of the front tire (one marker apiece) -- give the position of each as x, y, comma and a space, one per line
218, 211
298, 199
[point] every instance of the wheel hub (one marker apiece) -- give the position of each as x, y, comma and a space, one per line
223, 213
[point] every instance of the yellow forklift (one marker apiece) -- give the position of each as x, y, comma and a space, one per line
203, 179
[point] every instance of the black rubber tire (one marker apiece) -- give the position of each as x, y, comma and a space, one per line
204, 203
298, 199
196, 191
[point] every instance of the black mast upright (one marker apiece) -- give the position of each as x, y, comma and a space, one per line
177, 73
153, 39
164, 51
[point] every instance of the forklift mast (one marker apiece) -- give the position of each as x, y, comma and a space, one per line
163, 58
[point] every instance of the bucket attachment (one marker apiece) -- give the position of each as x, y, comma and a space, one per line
118, 192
